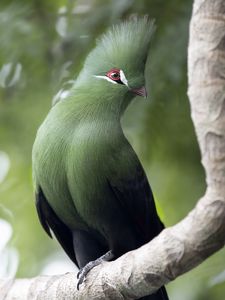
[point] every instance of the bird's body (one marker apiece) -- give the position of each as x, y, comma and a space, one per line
91, 188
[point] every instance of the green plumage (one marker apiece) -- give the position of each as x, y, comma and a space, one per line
75, 152
84, 166
75, 146
125, 46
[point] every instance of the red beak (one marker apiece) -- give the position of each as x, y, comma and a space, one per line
140, 91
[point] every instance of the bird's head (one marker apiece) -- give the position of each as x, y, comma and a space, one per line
117, 76
116, 66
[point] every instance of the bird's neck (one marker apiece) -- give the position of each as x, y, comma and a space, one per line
90, 117
94, 123
101, 99
94, 105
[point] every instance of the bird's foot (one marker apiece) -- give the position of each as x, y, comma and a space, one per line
84, 271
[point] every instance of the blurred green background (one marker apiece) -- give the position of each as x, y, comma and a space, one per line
42, 45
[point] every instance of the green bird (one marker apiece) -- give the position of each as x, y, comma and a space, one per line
91, 189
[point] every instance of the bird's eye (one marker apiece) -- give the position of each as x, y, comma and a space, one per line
114, 74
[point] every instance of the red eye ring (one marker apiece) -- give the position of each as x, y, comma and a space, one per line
113, 74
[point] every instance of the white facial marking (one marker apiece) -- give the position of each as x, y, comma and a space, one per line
106, 78
123, 78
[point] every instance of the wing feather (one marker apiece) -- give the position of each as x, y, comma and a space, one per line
50, 221
136, 199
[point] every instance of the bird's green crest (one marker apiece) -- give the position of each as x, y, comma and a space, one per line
124, 46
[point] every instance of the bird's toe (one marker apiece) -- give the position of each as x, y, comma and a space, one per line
86, 269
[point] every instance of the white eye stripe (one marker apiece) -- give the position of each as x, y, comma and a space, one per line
106, 78
123, 78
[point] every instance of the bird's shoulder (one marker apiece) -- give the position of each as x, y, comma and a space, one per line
132, 190
126, 162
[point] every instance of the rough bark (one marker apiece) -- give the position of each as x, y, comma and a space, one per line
181, 247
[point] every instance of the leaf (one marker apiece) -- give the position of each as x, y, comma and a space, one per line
4, 165
6, 233
218, 279
10, 74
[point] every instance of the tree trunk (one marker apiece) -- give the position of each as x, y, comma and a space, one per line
185, 245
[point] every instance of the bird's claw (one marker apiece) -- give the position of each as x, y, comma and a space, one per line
78, 274
84, 271
80, 280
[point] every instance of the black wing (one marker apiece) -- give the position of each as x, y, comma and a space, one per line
49, 220
135, 197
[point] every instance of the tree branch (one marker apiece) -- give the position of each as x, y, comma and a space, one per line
181, 247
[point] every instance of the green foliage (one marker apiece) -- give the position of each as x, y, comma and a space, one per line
44, 43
